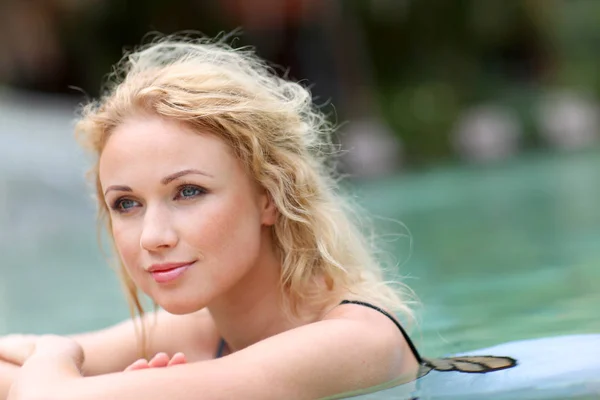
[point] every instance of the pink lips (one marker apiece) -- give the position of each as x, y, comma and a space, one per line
163, 273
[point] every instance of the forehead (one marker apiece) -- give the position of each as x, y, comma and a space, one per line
150, 144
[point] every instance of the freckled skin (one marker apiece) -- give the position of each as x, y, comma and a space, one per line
225, 229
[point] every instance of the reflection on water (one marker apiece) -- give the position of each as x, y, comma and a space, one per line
501, 253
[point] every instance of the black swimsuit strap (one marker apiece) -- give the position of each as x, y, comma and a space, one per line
220, 349
222, 344
406, 337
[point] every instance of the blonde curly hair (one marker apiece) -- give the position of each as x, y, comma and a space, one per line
283, 140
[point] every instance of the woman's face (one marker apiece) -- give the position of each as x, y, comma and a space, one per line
187, 219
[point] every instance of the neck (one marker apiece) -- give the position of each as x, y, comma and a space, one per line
253, 309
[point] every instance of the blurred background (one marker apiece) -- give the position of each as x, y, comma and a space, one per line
474, 123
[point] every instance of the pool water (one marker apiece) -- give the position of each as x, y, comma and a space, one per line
495, 254
500, 253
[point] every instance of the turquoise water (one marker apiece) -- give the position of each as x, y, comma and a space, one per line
497, 253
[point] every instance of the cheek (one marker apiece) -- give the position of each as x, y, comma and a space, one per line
230, 230
126, 240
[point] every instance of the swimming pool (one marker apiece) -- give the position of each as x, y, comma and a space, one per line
498, 254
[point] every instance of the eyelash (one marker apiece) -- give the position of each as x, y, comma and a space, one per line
200, 191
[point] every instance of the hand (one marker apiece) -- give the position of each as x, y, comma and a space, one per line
60, 347
160, 360
47, 363
16, 349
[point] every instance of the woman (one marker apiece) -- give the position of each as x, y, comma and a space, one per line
211, 176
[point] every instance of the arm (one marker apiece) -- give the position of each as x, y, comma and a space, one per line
8, 373
313, 361
114, 348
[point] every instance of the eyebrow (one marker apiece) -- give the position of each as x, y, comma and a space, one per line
165, 181
170, 178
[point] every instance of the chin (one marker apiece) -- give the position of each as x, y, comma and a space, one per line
176, 306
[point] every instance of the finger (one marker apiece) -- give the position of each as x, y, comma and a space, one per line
139, 364
178, 358
159, 360
6, 350
16, 348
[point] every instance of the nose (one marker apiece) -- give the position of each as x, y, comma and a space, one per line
158, 232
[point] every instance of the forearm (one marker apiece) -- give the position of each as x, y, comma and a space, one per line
109, 350
201, 380
181, 382
41, 376
8, 373
147, 384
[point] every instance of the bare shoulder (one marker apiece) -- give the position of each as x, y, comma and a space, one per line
374, 328
351, 347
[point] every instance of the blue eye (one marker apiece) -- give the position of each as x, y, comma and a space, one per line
124, 205
187, 192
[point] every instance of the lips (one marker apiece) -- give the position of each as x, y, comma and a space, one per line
163, 273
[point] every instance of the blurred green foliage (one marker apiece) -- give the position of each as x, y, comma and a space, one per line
450, 55
432, 59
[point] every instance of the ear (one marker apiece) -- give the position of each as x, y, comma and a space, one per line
269, 209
